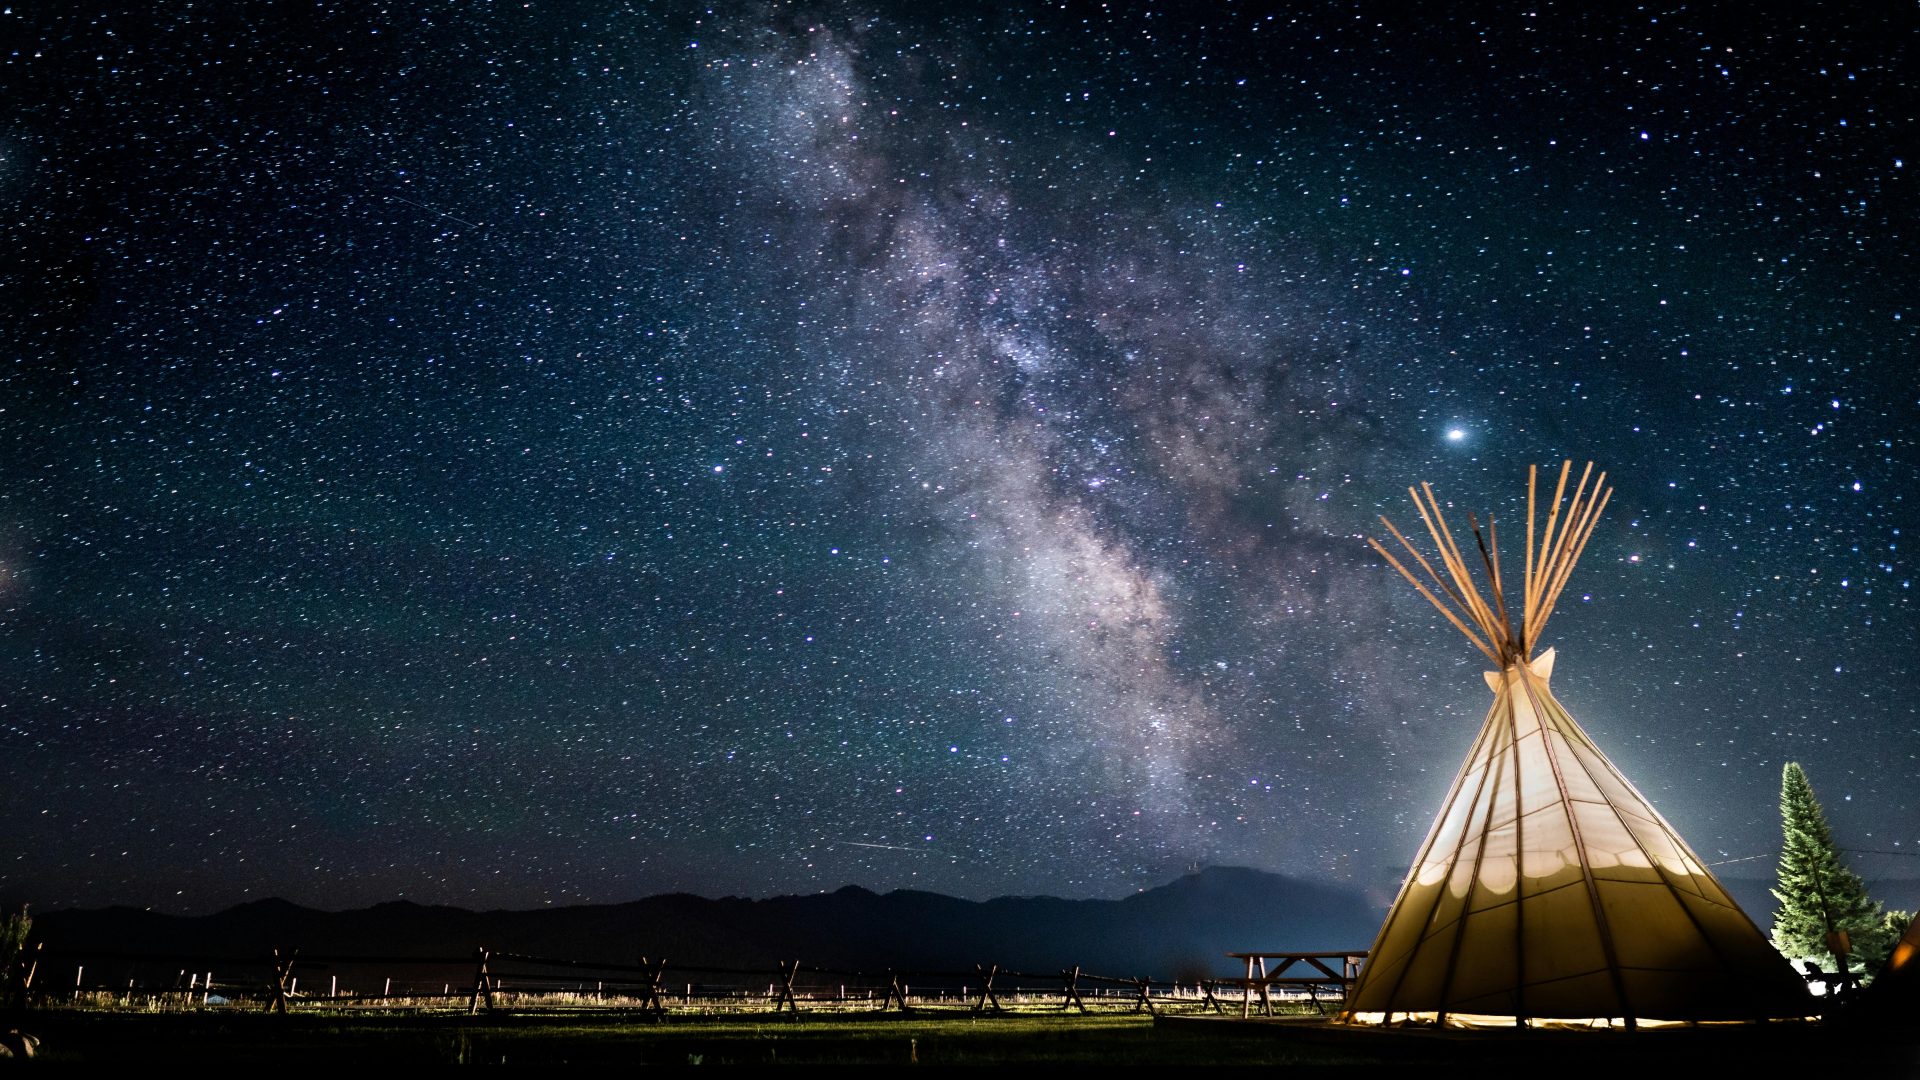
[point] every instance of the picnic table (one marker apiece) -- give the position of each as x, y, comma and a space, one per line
1309, 971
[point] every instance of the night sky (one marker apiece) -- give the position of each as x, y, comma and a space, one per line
559, 452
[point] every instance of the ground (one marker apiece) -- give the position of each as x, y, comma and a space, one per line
316, 1037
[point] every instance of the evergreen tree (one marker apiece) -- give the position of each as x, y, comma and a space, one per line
1819, 897
1879, 946
13, 938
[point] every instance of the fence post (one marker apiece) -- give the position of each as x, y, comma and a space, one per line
788, 972
650, 1001
483, 982
1145, 1000
1206, 988
1072, 996
24, 967
283, 981
895, 992
986, 989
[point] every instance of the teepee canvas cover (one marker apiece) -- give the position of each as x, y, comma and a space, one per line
1549, 890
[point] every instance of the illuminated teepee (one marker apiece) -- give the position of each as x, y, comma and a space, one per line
1549, 891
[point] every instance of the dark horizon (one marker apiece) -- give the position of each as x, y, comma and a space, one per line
1750, 890
510, 458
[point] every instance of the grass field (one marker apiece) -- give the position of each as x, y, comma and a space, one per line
318, 1038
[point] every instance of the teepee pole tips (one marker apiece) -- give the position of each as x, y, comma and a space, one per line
1484, 617
1434, 600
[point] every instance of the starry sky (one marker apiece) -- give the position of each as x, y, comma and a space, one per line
509, 454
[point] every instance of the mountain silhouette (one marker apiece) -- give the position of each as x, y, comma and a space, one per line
1179, 930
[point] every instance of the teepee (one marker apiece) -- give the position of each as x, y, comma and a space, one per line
1549, 891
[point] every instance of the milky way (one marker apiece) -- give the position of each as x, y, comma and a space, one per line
544, 455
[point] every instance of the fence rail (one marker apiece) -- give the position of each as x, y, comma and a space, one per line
495, 980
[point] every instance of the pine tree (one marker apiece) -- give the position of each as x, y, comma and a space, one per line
13, 939
1819, 897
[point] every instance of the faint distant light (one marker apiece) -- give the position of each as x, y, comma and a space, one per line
719, 468
1633, 558
1455, 434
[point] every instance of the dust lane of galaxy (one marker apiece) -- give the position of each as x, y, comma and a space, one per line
569, 453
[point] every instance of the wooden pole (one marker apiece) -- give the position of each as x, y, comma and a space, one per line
1536, 569
1144, 998
284, 984
1535, 587
986, 988
483, 981
1462, 586
1579, 550
1444, 585
24, 967
1550, 539
1490, 558
1442, 608
1556, 564
1456, 565
1209, 999
1071, 998
651, 1000
895, 992
785, 998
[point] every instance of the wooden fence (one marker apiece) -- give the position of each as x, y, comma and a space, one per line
497, 980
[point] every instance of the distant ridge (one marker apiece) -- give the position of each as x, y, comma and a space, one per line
1178, 930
